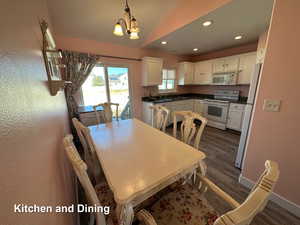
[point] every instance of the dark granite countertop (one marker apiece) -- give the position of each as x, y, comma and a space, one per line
171, 98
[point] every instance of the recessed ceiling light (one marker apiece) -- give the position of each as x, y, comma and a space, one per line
238, 37
195, 49
164, 42
207, 23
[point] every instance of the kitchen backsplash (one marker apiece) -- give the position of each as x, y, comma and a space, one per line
210, 89
197, 89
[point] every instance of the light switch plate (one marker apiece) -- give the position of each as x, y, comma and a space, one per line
271, 105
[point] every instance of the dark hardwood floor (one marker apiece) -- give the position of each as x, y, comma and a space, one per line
220, 148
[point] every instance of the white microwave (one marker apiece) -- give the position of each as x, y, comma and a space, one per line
224, 78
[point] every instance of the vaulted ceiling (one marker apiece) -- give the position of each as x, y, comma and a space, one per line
95, 19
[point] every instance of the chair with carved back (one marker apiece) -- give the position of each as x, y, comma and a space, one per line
107, 113
188, 128
187, 205
90, 156
100, 195
160, 117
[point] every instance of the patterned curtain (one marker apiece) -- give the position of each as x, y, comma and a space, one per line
78, 68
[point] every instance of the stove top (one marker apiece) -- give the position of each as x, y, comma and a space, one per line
227, 95
216, 100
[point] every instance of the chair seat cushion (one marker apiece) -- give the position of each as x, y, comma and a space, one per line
106, 198
183, 206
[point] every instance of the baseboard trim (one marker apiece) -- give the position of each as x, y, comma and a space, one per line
281, 201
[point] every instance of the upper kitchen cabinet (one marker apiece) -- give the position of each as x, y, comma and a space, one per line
228, 64
185, 73
151, 71
246, 67
203, 72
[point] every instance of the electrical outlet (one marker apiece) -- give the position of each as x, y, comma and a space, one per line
271, 105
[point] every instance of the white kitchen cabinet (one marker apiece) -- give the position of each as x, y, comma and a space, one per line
147, 113
246, 67
203, 72
199, 106
151, 71
182, 105
235, 116
169, 106
185, 73
227, 64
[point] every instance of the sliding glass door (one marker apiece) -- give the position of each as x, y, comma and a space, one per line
108, 84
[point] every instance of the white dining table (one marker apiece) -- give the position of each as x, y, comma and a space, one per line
139, 160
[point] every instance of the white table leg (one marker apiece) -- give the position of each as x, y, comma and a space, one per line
125, 214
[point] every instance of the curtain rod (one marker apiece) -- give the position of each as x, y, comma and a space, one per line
116, 57
110, 56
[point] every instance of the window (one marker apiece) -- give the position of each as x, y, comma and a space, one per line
168, 80
107, 84
94, 89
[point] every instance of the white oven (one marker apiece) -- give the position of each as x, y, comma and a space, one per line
216, 112
224, 78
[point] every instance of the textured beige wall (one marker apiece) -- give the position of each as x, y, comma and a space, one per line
275, 135
33, 166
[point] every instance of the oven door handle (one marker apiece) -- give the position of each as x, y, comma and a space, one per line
216, 105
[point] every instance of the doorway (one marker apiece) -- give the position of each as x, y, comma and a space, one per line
109, 84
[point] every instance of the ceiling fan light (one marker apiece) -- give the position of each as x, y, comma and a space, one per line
134, 36
118, 31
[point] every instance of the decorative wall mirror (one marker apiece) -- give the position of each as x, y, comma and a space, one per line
53, 61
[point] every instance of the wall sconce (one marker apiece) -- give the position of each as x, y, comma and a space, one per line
53, 61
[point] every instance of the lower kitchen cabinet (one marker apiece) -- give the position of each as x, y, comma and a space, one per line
199, 106
147, 112
235, 116
182, 105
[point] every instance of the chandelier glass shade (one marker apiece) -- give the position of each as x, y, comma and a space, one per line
130, 24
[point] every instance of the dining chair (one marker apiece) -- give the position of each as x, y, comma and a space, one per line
98, 196
188, 127
160, 117
90, 156
107, 113
186, 205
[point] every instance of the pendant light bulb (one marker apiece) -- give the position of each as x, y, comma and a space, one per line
134, 36
134, 26
118, 31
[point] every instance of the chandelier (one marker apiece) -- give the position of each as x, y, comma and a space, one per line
130, 24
